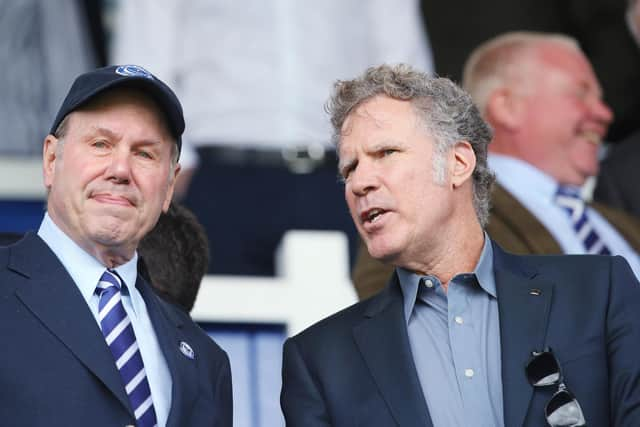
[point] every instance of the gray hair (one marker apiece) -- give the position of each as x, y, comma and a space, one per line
504, 61
447, 112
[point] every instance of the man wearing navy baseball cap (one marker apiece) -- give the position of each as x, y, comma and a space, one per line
88, 342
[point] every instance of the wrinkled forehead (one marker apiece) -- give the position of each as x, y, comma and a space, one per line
378, 122
380, 111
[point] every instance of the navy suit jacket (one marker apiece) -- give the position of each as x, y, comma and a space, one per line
356, 368
56, 369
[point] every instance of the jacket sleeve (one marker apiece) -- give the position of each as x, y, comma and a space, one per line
623, 345
301, 398
224, 397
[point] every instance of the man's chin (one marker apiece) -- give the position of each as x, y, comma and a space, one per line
382, 253
113, 232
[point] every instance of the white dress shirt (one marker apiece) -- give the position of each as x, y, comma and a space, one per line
255, 73
86, 271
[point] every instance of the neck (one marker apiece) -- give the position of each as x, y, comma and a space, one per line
458, 251
111, 256
111, 259
505, 145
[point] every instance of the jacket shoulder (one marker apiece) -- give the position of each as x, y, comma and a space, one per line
515, 228
571, 270
339, 326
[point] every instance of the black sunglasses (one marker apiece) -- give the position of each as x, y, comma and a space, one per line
563, 410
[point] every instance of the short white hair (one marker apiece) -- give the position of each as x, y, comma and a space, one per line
496, 62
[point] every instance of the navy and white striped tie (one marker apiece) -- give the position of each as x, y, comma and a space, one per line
118, 332
569, 199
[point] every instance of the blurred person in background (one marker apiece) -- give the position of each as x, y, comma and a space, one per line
597, 25
253, 76
175, 256
39, 60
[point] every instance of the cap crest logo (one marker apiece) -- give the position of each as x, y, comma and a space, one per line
133, 71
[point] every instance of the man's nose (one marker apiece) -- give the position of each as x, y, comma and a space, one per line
602, 112
364, 178
119, 169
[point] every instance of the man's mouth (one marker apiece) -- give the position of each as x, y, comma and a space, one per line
113, 200
372, 215
592, 137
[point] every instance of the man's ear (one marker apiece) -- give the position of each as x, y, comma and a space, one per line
49, 158
464, 163
171, 188
504, 109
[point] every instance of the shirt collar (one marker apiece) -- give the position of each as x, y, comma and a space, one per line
410, 281
84, 269
511, 173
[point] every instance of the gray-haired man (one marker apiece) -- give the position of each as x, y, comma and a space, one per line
465, 333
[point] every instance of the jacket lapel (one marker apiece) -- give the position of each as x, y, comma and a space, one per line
511, 222
50, 294
625, 224
384, 344
524, 302
184, 373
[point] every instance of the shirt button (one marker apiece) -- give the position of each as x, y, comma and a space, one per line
428, 283
468, 373
459, 320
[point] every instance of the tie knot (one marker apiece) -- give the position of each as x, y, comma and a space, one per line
109, 279
569, 199
568, 192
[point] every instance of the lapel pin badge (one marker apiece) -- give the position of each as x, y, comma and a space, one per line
535, 292
187, 350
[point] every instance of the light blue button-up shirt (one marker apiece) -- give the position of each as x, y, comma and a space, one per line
86, 271
536, 191
455, 342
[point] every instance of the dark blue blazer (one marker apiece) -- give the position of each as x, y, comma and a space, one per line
56, 369
355, 368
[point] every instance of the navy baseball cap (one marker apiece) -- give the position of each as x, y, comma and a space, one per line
93, 83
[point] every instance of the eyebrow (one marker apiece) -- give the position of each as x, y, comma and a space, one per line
100, 130
342, 166
385, 143
373, 148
